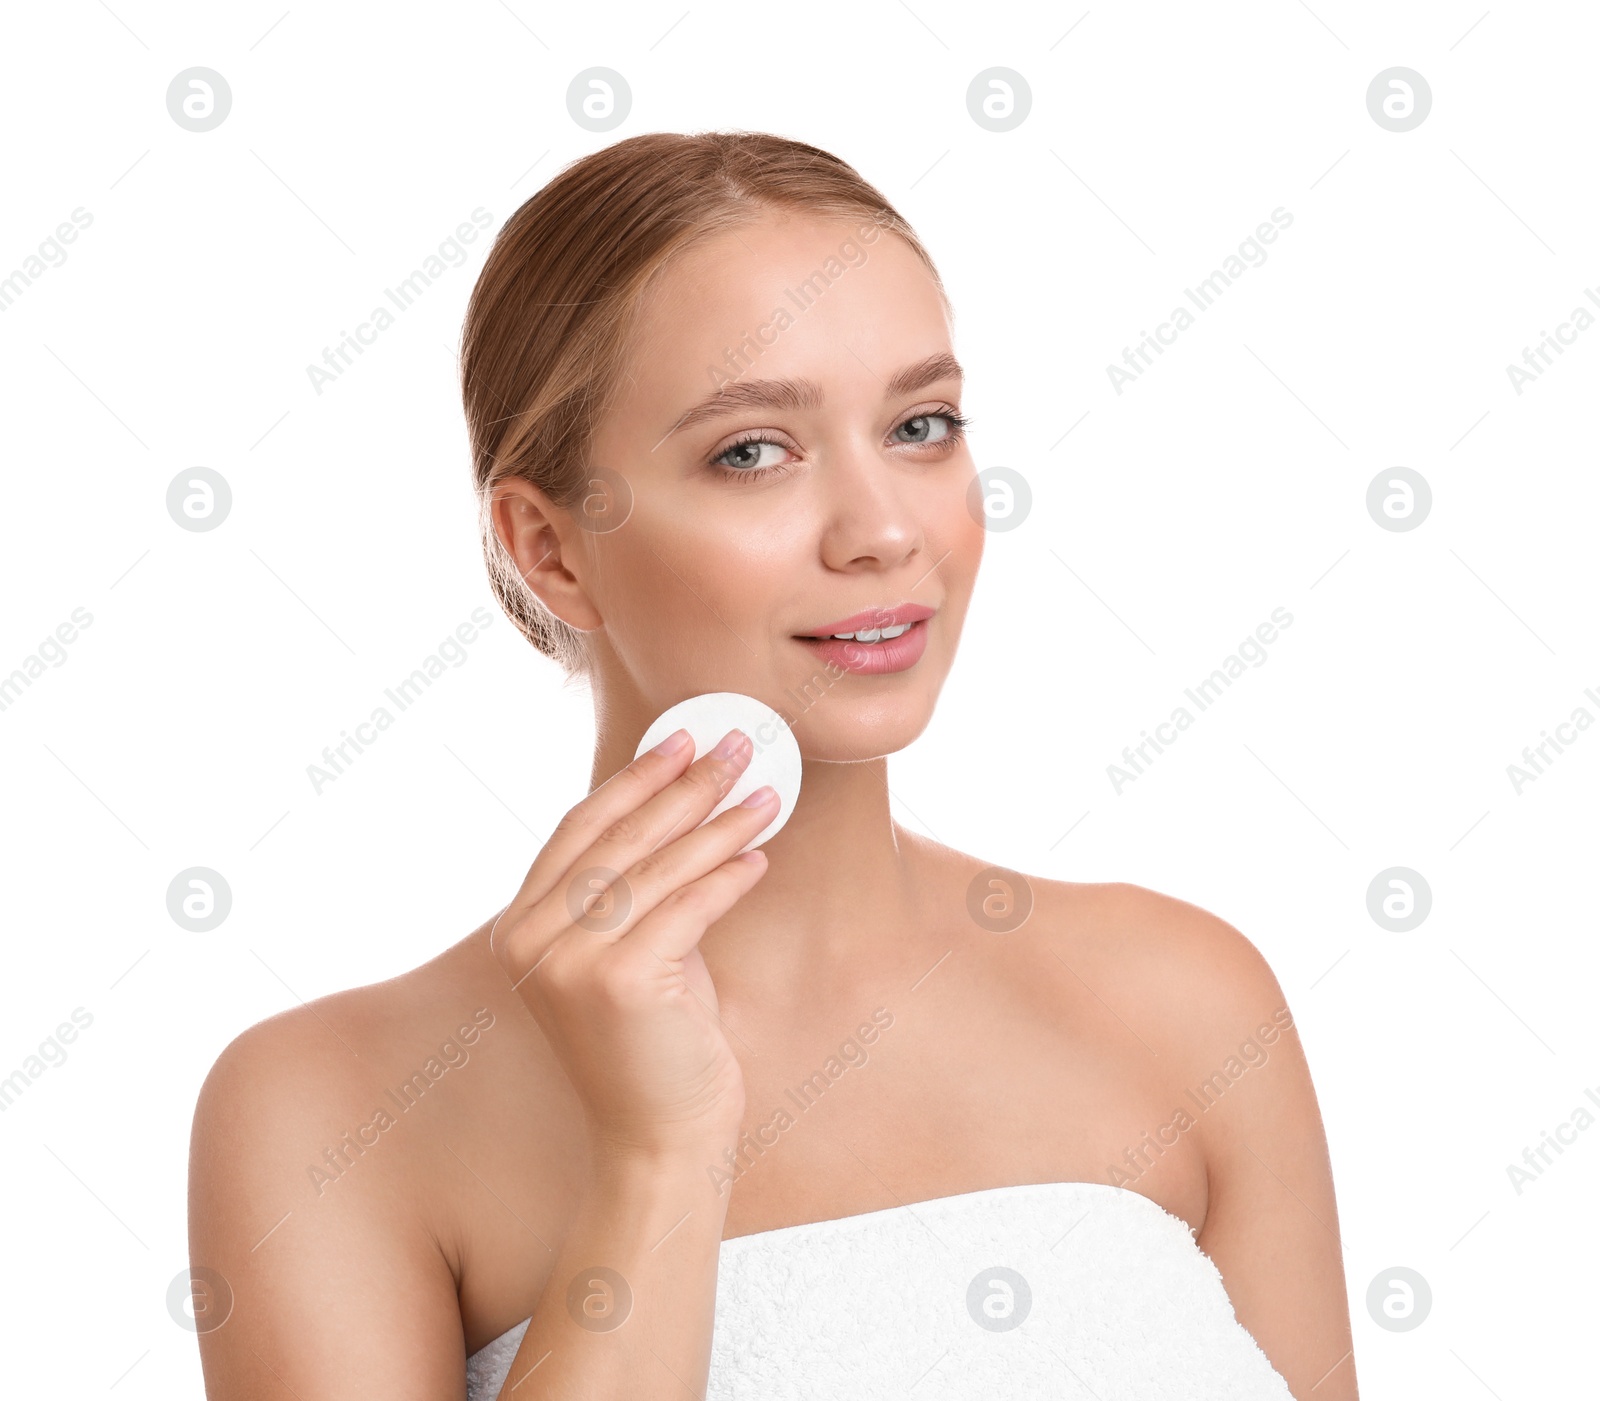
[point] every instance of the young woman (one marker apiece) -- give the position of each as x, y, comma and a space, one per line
828, 1119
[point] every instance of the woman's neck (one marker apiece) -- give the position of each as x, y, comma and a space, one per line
839, 885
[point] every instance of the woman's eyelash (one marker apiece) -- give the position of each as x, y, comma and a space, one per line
959, 423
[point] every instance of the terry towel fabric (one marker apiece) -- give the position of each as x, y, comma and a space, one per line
1071, 1290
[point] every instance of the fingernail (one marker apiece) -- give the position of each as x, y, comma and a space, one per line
761, 797
728, 745
672, 743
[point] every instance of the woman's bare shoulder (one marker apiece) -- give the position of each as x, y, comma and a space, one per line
1193, 977
334, 1142
324, 1096
1151, 934
323, 1052
303, 1169
1180, 976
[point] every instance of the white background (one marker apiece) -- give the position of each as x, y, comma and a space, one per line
1171, 520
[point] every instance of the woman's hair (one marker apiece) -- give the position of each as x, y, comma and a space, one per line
547, 326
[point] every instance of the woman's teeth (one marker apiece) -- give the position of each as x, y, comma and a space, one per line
872, 634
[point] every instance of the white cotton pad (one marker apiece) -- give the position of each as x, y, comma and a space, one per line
775, 758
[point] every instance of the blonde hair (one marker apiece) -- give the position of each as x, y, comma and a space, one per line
546, 328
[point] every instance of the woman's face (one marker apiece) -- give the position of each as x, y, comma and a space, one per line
788, 434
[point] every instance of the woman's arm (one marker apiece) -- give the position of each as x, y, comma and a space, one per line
640, 1327
1272, 1226
336, 1292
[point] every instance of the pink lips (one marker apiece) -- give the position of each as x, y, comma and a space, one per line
875, 618
874, 658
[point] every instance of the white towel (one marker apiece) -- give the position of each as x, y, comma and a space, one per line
1059, 1290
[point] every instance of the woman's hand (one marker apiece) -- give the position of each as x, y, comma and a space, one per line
602, 944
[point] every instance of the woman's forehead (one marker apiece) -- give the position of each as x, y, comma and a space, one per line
797, 297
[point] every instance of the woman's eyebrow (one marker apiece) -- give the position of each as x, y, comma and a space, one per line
936, 367
796, 394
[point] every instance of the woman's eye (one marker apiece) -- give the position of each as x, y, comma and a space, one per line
924, 428
751, 456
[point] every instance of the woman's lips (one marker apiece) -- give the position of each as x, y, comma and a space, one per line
872, 658
875, 618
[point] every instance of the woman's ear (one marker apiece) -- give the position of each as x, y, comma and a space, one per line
535, 533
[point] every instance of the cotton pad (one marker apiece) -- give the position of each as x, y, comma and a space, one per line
775, 756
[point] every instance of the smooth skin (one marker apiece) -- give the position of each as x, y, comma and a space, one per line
618, 1059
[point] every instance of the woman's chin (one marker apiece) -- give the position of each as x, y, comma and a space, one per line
854, 733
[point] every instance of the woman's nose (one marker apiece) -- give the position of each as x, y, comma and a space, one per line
870, 520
